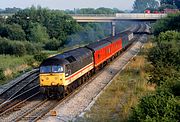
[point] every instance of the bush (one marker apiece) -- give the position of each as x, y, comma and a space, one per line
31, 62
53, 45
169, 23
37, 33
2, 76
166, 52
32, 48
158, 107
13, 32
18, 48
4, 46
171, 85
159, 75
40, 57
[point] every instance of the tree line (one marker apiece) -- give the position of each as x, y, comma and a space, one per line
38, 26
153, 5
50, 29
164, 104
100, 10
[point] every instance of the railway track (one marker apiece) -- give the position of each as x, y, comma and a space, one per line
43, 106
11, 105
17, 87
18, 91
106, 69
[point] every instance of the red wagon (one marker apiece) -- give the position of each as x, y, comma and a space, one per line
105, 49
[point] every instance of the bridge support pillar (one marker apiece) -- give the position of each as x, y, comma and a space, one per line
113, 28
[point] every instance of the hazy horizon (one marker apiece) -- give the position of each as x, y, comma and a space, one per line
68, 4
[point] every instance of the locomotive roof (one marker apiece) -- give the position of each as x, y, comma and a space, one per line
75, 53
67, 57
98, 45
104, 42
53, 61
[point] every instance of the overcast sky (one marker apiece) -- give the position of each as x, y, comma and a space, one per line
68, 4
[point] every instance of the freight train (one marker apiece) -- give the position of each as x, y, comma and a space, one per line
62, 73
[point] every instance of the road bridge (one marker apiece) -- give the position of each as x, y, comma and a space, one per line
113, 18
117, 17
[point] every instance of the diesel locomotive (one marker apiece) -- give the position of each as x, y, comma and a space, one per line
62, 73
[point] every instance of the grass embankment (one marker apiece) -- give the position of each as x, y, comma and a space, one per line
13, 66
124, 92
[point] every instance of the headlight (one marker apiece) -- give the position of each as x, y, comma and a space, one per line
53, 83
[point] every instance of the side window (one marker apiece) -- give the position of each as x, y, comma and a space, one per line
99, 56
108, 50
67, 70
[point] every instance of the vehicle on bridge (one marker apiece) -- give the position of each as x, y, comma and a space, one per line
166, 11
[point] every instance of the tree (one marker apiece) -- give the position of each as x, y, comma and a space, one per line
171, 2
166, 6
159, 107
171, 22
165, 57
56, 22
40, 57
53, 44
142, 5
167, 2
86, 11
166, 52
103, 10
13, 32
177, 3
18, 48
37, 33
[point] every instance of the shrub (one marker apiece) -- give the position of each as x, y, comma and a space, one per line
171, 22
32, 48
53, 45
38, 33
2, 76
31, 62
159, 75
18, 48
171, 85
40, 57
159, 107
13, 32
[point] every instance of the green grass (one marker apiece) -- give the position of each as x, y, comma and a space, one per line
13, 66
11, 62
123, 93
50, 52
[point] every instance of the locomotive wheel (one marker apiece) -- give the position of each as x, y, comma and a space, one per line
79, 82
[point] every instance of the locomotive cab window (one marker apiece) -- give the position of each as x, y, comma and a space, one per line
45, 69
57, 69
49, 69
67, 70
